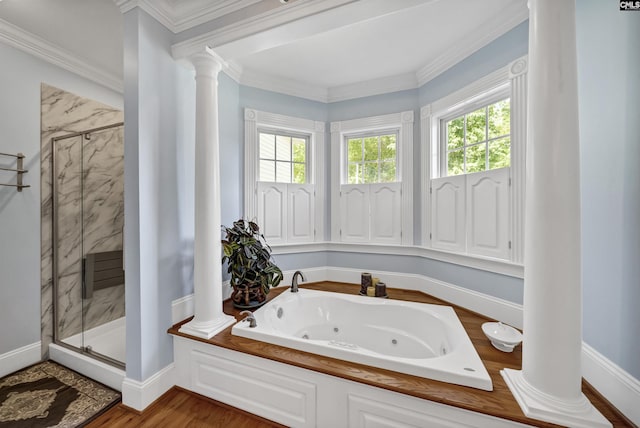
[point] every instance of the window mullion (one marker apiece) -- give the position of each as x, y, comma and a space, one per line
486, 138
361, 176
464, 144
379, 156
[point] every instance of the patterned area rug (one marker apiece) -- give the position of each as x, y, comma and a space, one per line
49, 395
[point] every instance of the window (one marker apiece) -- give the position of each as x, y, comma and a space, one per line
282, 157
473, 167
479, 140
371, 158
372, 179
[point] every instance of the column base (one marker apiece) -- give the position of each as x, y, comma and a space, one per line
207, 329
538, 405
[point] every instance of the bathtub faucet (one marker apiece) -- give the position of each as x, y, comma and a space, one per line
294, 281
250, 317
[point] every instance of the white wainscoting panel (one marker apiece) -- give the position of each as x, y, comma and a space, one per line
488, 213
301, 213
370, 411
354, 213
448, 226
272, 211
277, 397
386, 213
298, 397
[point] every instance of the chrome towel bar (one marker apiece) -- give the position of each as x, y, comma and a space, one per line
18, 169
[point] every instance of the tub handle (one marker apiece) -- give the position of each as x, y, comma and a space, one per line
250, 318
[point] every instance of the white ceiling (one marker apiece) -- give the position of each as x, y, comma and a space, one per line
370, 40
400, 42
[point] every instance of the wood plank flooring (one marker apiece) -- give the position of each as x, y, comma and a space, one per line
180, 408
499, 402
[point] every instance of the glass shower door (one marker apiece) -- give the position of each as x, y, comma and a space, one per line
88, 242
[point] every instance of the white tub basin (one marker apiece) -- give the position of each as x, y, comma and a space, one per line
414, 338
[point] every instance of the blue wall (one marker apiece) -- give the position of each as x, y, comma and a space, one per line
158, 210
497, 54
609, 97
500, 52
492, 284
231, 149
20, 291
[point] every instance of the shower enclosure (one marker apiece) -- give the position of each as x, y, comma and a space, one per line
88, 221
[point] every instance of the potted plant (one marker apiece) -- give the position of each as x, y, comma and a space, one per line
252, 270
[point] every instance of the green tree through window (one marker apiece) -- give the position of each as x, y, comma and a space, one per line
479, 140
371, 159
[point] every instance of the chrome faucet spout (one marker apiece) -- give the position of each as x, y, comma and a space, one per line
250, 318
294, 281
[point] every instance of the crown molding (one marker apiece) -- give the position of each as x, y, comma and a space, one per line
179, 16
222, 38
283, 86
507, 19
383, 85
299, 89
255, 25
16, 37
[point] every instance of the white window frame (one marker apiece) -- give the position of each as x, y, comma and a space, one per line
402, 121
364, 135
510, 81
256, 121
285, 133
500, 93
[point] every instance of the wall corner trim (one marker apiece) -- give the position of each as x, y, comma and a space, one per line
53, 54
20, 358
615, 384
139, 395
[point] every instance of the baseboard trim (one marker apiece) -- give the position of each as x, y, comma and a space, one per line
20, 358
502, 310
182, 308
493, 307
139, 395
616, 385
88, 366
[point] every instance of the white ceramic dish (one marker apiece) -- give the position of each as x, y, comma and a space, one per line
502, 336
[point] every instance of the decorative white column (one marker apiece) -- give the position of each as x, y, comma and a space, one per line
209, 318
549, 386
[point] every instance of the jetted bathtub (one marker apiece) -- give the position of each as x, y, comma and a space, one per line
414, 338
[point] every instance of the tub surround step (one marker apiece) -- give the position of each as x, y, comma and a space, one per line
499, 403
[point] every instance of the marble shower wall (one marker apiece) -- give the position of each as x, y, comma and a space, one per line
64, 113
90, 217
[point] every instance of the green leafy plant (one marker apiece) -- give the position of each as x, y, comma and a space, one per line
252, 270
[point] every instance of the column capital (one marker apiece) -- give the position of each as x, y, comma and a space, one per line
207, 62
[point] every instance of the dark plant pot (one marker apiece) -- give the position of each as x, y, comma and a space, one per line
248, 296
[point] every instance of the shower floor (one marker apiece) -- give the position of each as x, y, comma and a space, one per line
107, 339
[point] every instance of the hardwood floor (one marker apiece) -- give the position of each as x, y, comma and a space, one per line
499, 402
180, 408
